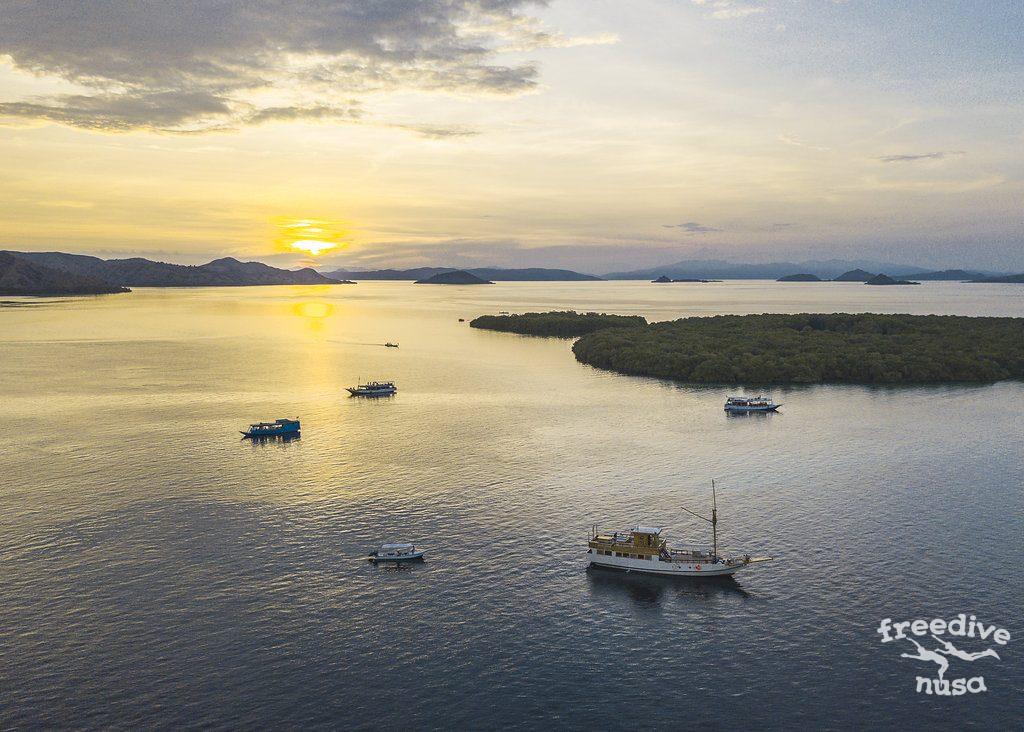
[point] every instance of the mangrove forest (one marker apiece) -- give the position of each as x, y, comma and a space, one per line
814, 348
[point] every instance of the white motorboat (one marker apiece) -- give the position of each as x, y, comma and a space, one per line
374, 388
750, 404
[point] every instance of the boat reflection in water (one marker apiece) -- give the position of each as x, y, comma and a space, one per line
651, 589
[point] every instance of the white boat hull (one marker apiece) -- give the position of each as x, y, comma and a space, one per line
665, 569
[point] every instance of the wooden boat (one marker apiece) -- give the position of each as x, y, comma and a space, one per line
641, 549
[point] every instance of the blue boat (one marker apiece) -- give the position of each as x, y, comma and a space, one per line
277, 428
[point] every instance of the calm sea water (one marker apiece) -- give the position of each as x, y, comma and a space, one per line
158, 571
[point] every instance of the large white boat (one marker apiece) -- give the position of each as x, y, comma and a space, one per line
641, 549
374, 388
750, 404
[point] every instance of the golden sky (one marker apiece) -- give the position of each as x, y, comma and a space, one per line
591, 134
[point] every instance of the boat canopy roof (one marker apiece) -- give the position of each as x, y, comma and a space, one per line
646, 530
394, 547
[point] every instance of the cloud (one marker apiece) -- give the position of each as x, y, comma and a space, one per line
437, 132
692, 227
728, 9
196, 65
178, 111
941, 155
797, 142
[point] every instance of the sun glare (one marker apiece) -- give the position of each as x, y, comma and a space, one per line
309, 236
313, 246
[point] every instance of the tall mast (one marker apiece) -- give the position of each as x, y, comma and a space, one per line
714, 520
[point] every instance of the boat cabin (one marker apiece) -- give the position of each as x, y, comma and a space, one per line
642, 542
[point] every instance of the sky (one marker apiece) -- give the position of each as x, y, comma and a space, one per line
590, 134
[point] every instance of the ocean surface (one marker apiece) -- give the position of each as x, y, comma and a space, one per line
160, 572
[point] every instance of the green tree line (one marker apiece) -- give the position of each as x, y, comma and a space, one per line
814, 348
562, 324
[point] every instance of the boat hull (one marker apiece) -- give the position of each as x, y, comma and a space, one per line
364, 393
262, 434
665, 569
414, 557
771, 408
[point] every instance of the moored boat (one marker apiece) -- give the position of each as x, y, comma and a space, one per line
374, 388
396, 553
750, 404
277, 428
641, 549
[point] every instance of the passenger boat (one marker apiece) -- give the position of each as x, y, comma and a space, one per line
277, 428
641, 549
389, 344
396, 553
374, 388
750, 404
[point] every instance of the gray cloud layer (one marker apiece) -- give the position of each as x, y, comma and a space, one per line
692, 227
191, 65
941, 155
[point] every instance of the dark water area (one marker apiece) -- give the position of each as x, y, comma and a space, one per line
158, 571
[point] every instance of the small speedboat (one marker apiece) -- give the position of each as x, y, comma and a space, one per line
396, 553
373, 389
750, 404
389, 344
277, 428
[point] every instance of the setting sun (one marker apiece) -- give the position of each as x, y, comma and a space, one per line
310, 236
313, 246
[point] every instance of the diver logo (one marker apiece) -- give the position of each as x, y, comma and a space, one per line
958, 627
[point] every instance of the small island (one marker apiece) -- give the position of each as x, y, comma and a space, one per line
807, 348
664, 279
803, 277
458, 277
884, 279
564, 324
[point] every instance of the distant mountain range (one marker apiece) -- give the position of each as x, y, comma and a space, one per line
138, 272
860, 275
717, 269
1016, 278
22, 277
496, 274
